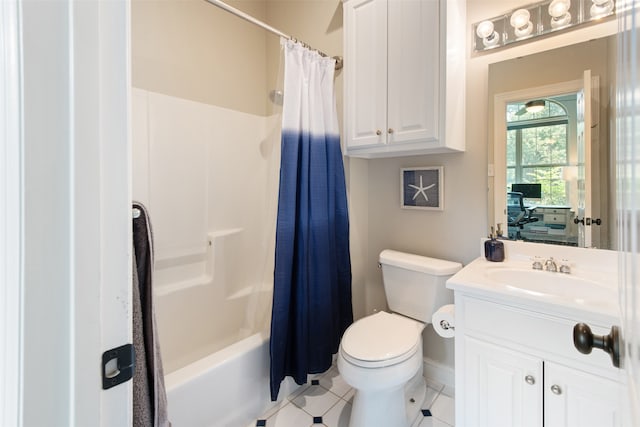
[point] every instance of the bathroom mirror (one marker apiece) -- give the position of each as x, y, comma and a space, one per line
554, 169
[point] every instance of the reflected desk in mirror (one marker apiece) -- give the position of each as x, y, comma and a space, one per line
547, 224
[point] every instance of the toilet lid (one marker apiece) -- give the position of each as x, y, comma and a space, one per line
381, 339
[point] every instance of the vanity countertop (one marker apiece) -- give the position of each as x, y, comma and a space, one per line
590, 290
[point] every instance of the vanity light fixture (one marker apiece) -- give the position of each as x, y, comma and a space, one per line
521, 23
538, 19
486, 31
559, 11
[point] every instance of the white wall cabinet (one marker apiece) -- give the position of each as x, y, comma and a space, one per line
519, 368
404, 77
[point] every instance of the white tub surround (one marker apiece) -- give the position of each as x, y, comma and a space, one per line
226, 388
213, 242
516, 363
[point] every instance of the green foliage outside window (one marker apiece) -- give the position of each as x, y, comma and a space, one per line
537, 150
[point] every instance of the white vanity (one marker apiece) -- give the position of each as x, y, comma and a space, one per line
515, 362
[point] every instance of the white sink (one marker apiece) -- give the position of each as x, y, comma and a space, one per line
591, 287
547, 284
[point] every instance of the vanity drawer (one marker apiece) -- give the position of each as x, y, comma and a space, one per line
532, 332
554, 218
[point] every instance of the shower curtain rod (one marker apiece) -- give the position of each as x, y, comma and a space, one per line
247, 17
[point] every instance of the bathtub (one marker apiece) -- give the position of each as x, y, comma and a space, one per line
229, 388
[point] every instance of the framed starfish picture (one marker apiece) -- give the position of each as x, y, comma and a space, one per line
422, 188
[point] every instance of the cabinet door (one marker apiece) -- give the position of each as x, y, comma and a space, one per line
365, 43
574, 398
502, 388
414, 68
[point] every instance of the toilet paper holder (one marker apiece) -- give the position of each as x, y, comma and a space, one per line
446, 325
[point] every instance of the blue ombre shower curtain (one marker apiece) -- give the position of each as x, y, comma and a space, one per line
312, 281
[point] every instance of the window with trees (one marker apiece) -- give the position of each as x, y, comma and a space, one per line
537, 149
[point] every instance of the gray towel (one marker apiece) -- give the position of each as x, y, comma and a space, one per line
149, 395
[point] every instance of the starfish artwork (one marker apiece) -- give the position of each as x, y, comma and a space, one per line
421, 189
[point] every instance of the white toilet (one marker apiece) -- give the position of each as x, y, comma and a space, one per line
381, 355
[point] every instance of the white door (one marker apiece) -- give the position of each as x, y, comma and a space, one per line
413, 75
73, 287
366, 72
102, 225
574, 398
502, 388
628, 194
584, 162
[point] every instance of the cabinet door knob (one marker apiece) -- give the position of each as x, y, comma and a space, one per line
530, 380
390, 130
378, 132
555, 389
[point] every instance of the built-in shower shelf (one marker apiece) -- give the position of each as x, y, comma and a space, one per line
195, 268
170, 288
213, 235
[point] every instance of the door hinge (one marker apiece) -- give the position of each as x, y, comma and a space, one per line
118, 365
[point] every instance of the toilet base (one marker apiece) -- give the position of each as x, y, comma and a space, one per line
414, 393
398, 407
379, 408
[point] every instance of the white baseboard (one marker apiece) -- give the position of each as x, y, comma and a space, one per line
440, 373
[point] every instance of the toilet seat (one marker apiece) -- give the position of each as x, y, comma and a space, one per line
382, 339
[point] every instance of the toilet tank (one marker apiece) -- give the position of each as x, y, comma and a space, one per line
414, 284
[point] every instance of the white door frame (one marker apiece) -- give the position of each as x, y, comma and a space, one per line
101, 205
10, 217
65, 210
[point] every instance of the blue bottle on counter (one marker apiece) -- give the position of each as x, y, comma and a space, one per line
493, 249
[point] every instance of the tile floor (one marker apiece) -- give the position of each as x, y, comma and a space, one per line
326, 401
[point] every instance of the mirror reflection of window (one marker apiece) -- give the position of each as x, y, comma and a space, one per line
539, 147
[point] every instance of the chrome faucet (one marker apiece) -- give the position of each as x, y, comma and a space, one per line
550, 265
537, 263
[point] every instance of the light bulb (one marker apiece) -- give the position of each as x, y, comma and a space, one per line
557, 8
601, 8
559, 11
520, 22
485, 30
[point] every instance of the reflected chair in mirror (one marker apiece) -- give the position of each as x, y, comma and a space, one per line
517, 214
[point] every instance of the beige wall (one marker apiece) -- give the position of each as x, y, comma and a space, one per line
194, 50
